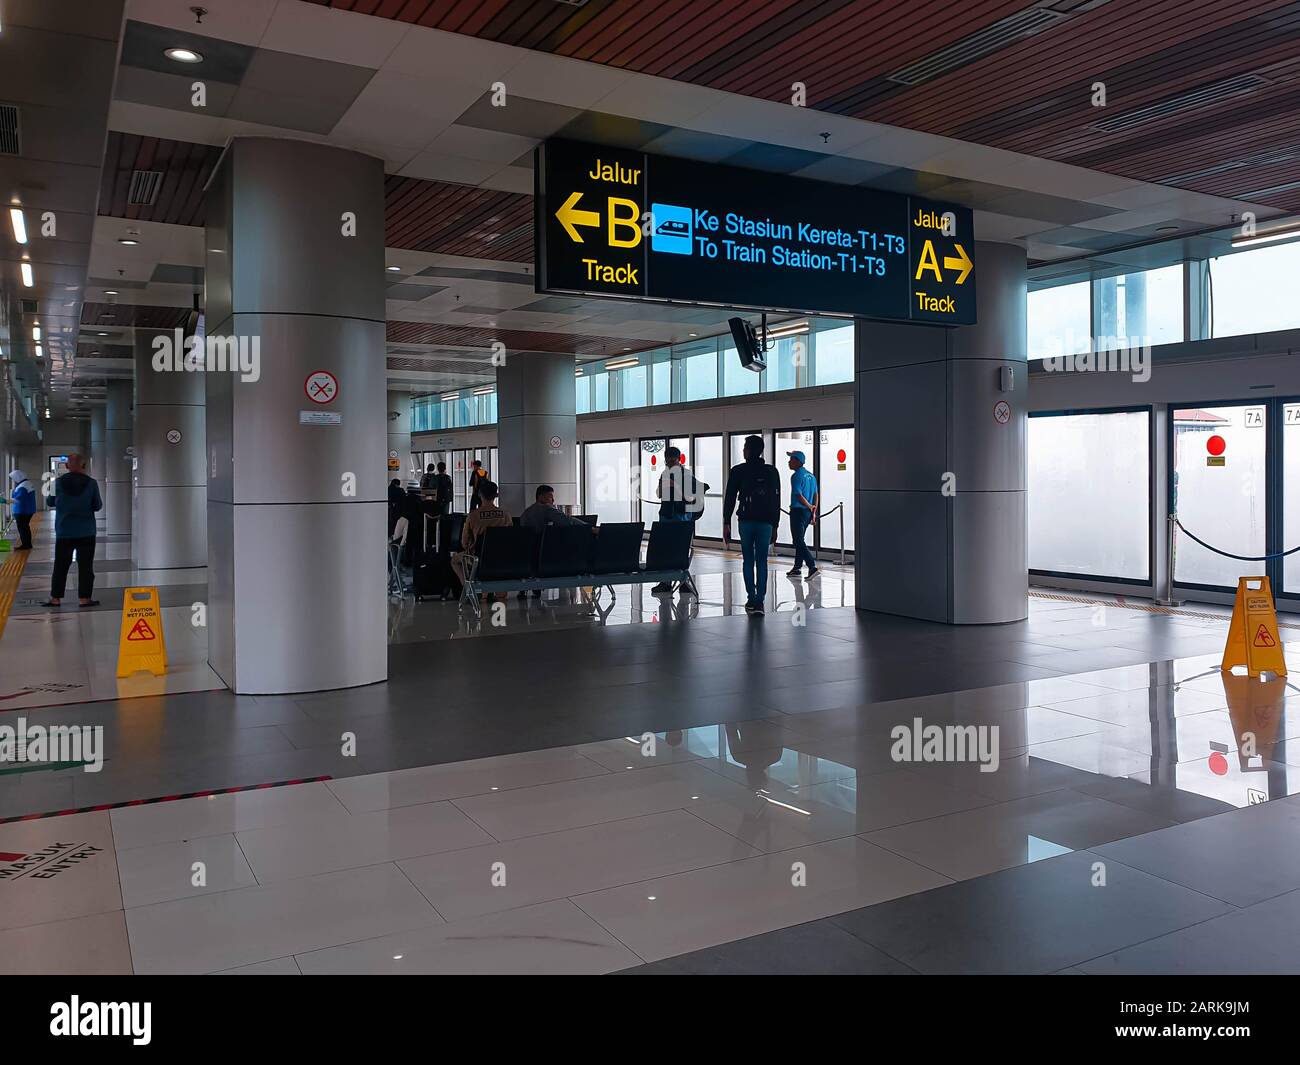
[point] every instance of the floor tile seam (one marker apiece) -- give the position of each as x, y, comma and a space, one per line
572, 901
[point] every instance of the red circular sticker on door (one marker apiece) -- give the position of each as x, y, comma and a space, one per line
1002, 412
841, 455
321, 386
1216, 445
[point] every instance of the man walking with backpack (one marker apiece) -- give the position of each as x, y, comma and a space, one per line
681, 498
756, 486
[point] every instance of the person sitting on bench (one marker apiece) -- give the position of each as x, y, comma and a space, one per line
542, 513
485, 516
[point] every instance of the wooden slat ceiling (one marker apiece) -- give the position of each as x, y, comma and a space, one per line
1033, 95
431, 216
121, 315
441, 335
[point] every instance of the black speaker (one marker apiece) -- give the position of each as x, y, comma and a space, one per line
748, 345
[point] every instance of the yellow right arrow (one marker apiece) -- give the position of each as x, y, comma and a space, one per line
570, 216
962, 262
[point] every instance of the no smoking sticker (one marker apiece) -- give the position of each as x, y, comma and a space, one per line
1002, 412
173, 436
321, 387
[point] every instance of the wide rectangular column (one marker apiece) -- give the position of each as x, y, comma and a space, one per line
98, 457
297, 497
941, 483
537, 428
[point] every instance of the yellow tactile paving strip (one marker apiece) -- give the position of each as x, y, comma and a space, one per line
10, 574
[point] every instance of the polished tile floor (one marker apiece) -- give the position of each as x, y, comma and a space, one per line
721, 795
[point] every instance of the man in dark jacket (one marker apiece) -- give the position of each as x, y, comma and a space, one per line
757, 487
75, 500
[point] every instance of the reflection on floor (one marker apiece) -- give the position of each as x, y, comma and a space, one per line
53, 656
717, 577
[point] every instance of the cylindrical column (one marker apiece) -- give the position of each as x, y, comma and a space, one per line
98, 455
947, 406
297, 498
537, 428
115, 471
170, 487
399, 436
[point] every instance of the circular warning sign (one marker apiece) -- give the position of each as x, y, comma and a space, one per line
1002, 412
1216, 445
321, 386
173, 436
555, 443
392, 454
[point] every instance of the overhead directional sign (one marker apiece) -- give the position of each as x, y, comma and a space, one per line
611, 222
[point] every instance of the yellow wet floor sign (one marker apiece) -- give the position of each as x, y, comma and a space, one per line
1253, 639
141, 645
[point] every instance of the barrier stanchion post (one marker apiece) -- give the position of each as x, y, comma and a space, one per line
1172, 536
841, 534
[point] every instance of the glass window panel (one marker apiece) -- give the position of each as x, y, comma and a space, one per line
1220, 497
582, 393
696, 366
1255, 290
661, 383
834, 355
600, 382
835, 483
708, 469
1144, 308
1096, 465
651, 458
1060, 321
632, 387
608, 481
736, 380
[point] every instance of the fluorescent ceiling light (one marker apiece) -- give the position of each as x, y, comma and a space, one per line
110, 292
1267, 236
26, 270
485, 390
448, 396
183, 55
619, 364
787, 329
19, 223
130, 242
40, 354
577, 373
393, 269
36, 332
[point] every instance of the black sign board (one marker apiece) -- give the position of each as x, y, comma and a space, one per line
612, 222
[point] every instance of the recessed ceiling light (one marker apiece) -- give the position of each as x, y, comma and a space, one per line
39, 353
183, 55
130, 242
36, 332
692, 334
393, 269
19, 224
110, 292
102, 334
26, 270
1167, 229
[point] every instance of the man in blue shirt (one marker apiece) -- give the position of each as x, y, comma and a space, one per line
803, 509
75, 500
24, 506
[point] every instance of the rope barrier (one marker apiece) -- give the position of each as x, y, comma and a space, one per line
1229, 554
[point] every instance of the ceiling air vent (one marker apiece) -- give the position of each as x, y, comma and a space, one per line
29, 307
10, 139
1202, 96
145, 185
1000, 34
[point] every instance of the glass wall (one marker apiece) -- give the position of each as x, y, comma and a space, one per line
792, 440
1090, 494
835, 459
651, 452
1218, 487
1060, 320
1143, 308
833, 351
607, 489
708, 471
695, 371
1291, 494
1254, 290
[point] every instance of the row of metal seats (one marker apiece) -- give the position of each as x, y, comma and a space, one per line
578, 550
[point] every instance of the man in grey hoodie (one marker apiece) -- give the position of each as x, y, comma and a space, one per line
75, 500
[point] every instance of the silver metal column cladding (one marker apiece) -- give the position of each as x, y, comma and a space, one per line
399, 436
537, 428
295, 465
114, 474
941, 522
170, 489
98, 457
